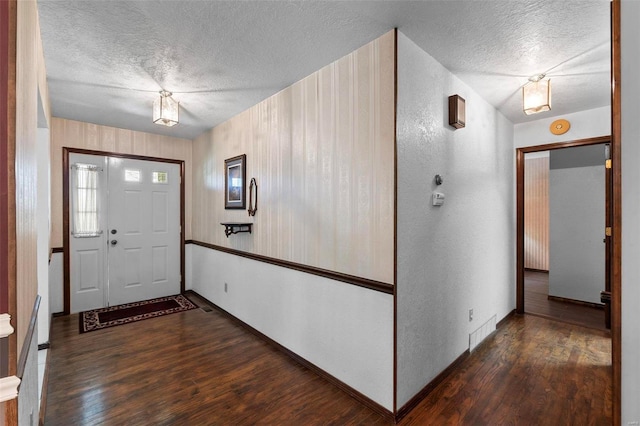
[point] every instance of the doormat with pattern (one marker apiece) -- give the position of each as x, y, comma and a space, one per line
131, 312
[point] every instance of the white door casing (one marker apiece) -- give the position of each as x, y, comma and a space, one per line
137, 254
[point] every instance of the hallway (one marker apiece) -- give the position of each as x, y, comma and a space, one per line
200, 367
536, 290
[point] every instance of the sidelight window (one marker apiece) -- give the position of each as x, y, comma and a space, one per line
85, 200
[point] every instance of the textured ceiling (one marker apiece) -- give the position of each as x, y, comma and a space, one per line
106, 60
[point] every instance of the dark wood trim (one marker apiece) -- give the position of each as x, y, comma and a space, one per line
188, 241
608, 212
519, 231
544, 271
365, 400
8, 107
58, 314
57, 250
6, 104
559, 145
520, 157
183, 228
26, 344
420, 396
66, 261
333, 275
575, 302
121, 155
65, 211
616, 220
395, 221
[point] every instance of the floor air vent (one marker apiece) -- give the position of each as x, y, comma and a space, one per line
476, 337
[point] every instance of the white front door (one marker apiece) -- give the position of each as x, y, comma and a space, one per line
87, 228
133, 253
144, 230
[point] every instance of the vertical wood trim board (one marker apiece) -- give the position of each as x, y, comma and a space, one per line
536, 213
322, 152
8, 352
616, 255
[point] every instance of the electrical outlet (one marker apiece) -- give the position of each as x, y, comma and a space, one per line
470, 315
225, 287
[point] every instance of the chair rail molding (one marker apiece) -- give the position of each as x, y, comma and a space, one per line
5, 326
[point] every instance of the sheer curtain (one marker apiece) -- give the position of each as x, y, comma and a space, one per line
85, 207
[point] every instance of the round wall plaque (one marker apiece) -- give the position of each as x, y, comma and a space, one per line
560, 127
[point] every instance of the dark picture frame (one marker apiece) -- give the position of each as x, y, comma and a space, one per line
235, 171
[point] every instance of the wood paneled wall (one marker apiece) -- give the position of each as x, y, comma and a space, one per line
76, 134
536, 213
29, 66
322, 152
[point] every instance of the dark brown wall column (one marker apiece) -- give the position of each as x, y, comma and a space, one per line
8, 346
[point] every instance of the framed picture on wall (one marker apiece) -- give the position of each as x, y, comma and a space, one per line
235, 170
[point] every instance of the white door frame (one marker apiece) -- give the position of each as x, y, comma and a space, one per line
66, 212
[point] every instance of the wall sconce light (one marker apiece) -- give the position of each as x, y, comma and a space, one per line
165, 109
456, 111
536, 95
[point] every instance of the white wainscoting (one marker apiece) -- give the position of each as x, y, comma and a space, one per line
343, 329
56, 283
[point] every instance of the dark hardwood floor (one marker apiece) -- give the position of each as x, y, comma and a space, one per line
532, 371
536, 290
201, 368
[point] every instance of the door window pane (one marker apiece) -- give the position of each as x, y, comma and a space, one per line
132, 175
85, 201
160, 177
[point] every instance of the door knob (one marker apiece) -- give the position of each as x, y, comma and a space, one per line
114, 242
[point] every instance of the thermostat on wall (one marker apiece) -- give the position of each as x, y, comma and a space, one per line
437, 198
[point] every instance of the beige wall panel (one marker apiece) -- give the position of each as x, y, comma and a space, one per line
29, 72
27, 63
322, 152
42, 74
76, 134
536, 213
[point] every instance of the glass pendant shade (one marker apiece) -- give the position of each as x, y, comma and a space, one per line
165, 110
536, 96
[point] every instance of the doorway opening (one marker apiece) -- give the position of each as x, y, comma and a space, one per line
566, 253
123, 222
520, 233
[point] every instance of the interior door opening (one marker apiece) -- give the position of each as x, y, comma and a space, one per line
565, 243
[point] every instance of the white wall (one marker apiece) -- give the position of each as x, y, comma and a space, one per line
56, 274
576, 230
43, 233
345, 330
630, 16
584, 124
461, 255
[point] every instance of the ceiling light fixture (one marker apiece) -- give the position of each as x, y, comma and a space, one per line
536, 95
165, 109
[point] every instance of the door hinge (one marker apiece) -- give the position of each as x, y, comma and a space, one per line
607, 164
607, 231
